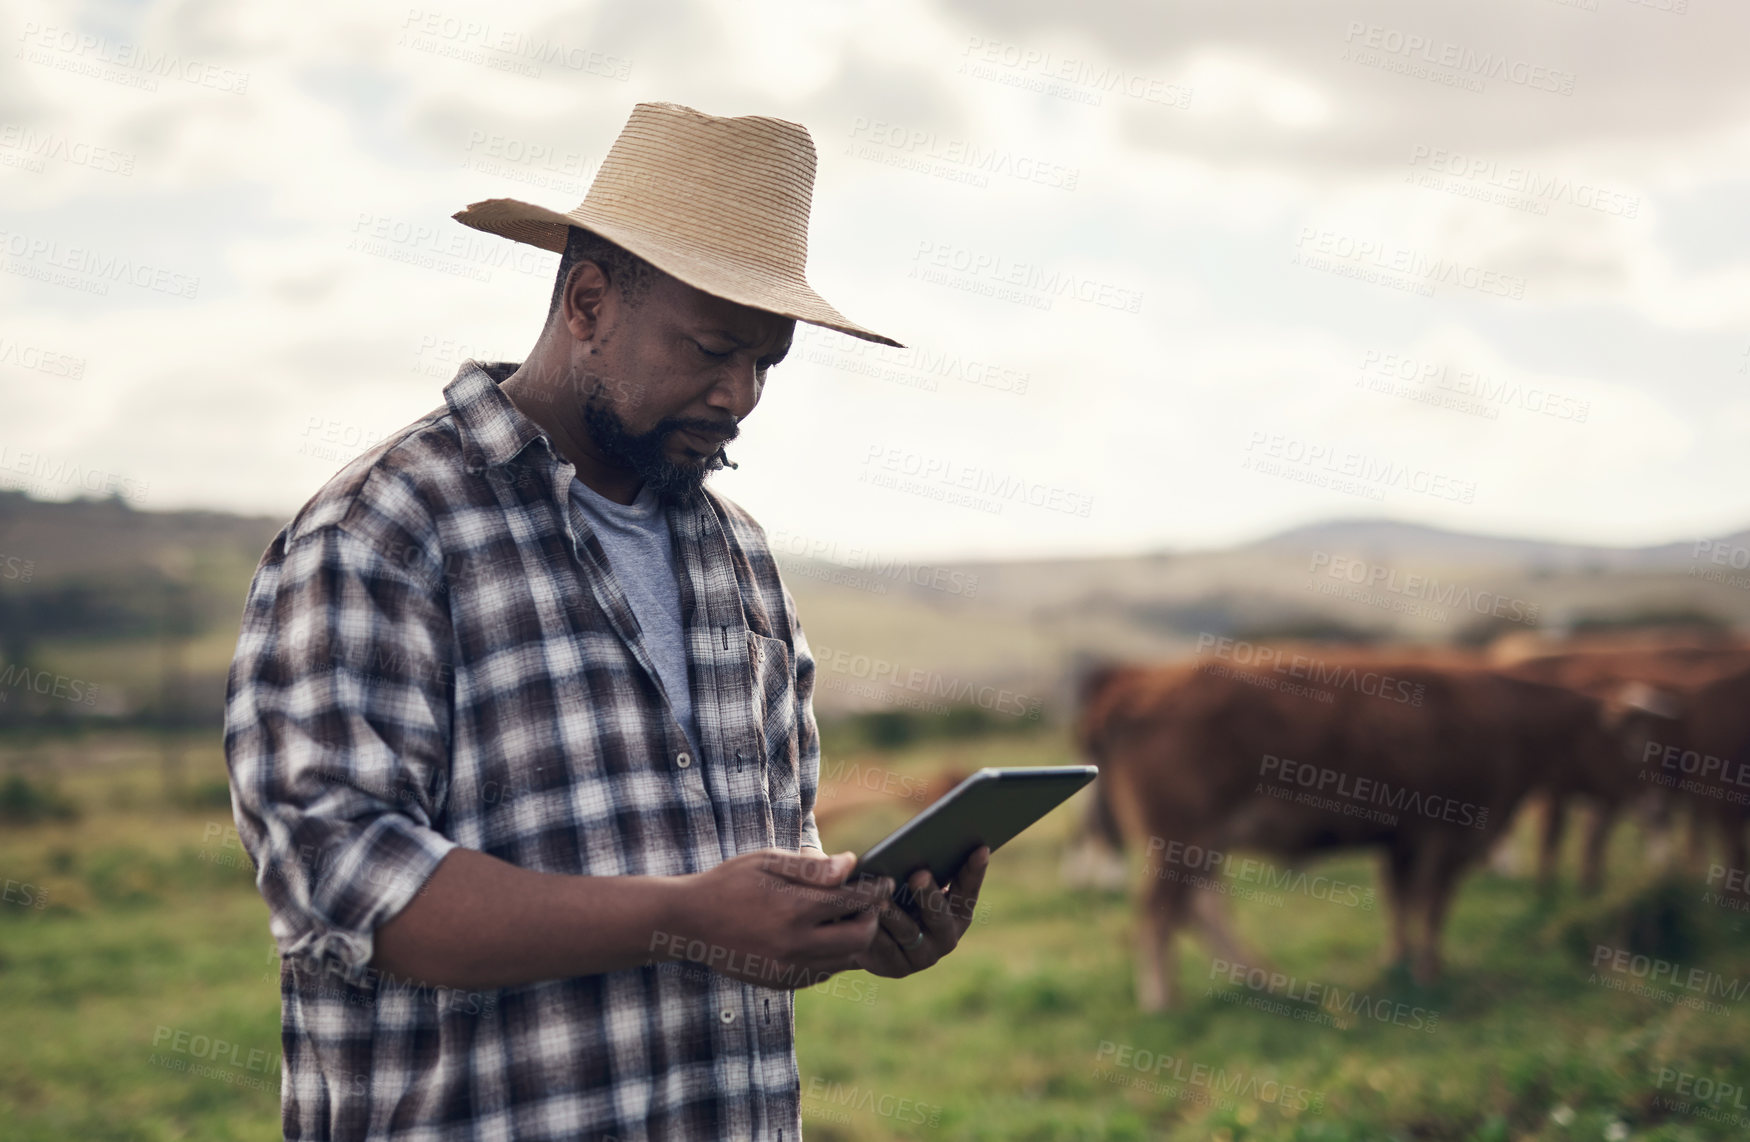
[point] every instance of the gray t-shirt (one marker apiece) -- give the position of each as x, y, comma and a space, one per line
641, 557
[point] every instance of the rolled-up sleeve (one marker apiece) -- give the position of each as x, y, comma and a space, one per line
337, 739
807, 733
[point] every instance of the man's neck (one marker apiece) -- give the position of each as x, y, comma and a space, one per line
531, 389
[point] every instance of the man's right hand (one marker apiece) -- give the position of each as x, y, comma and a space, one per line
776, 918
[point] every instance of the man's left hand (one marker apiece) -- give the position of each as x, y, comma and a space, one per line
911, 941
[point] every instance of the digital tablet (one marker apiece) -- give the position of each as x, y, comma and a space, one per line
988, 808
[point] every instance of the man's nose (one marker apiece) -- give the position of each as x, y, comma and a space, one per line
737, 389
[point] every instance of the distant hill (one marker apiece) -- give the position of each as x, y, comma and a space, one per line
154, 588
91, 536
1393, 540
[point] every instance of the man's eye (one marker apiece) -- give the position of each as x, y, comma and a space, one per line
714, 356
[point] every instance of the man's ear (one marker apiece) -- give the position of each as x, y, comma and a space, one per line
581, 303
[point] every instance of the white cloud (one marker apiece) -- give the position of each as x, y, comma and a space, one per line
358, 121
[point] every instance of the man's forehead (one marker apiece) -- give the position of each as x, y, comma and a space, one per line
742, 324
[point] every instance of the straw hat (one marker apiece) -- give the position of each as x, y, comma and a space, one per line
720, 203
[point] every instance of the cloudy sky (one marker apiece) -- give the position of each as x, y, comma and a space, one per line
1171, 274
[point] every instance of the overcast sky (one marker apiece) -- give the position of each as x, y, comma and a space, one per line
1171, 274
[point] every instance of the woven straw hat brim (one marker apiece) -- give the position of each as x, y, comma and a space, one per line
740, 282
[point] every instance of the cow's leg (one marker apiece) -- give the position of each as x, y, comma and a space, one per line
1094, 858
1737, 850
1598, 825
1439, 872
1555, 823
1396, 863
1658, 818
1216, 923
1696, 856
1157, 953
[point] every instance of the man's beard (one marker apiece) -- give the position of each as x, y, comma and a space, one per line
646, 452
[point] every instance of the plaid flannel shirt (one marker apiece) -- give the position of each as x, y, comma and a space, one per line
434, 654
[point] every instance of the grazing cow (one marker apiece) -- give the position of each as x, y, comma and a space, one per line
1425, 762
1652, 679
1705, 762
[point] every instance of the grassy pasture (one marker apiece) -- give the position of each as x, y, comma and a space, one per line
134, 920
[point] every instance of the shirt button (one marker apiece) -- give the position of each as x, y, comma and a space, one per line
727, 1015
684, 760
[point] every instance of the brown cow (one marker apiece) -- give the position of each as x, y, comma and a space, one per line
1652, 678
1705, 762
1423, 761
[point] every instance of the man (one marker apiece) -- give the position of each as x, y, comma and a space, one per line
520, 725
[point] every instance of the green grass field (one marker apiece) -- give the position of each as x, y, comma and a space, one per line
134, 923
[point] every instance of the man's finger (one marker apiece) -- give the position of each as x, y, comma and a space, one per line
807, 868
838, 939
963, 893
827, 904
932, 907
899, 925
